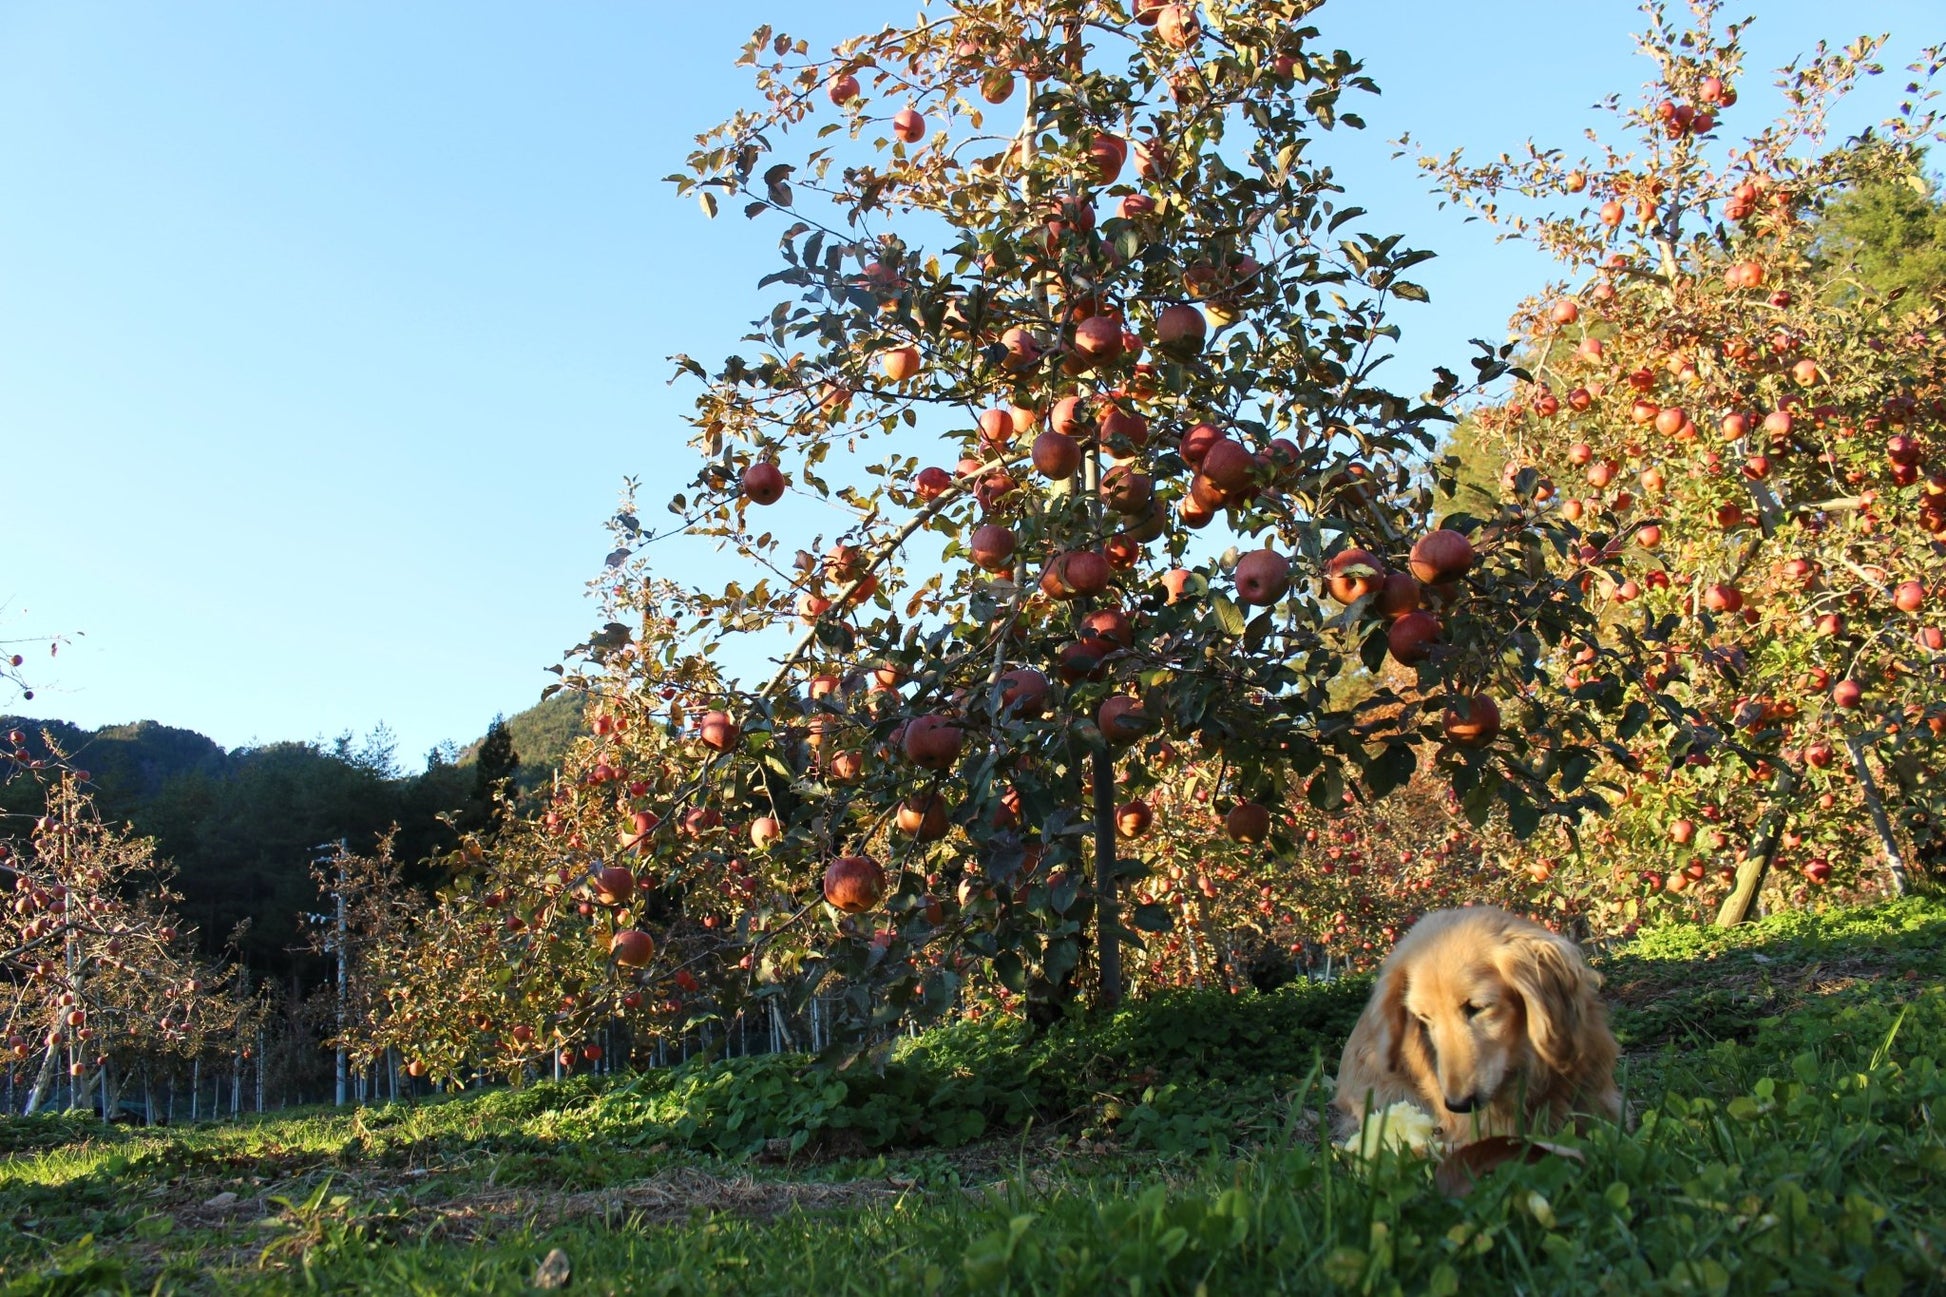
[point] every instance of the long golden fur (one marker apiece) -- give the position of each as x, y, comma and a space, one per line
1490, 1023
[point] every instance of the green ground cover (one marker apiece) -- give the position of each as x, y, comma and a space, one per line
1783, 1079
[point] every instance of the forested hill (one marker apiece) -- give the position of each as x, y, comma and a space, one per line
242, 826
541, 735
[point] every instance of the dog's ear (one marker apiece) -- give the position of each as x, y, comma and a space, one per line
1389, 998
1557, 987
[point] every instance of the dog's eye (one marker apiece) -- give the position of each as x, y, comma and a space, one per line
1474, 1010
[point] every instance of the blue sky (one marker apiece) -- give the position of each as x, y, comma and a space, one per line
329, 332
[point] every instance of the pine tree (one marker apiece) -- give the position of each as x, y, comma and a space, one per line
494, 770
1891, 235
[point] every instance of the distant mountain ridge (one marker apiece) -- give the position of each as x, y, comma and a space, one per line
243, 826
139, 757
135, 759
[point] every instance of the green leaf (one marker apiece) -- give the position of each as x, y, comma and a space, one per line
1522, 815
1151, 918
1007, 966
1326, 790
1392, 768
1228, 615
1348, 214
1477, 802
1372, 652
1576, 764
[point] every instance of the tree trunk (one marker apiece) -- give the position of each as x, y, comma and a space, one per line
111, 1094
83, 1087
1108, 909
1740, 906
43, 1081
1894, 861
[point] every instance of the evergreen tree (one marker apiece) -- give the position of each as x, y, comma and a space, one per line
1891, 236
493, 770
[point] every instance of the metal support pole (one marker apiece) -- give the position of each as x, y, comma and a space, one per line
338, 943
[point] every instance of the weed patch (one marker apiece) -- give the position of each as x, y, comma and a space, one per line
1785, 1079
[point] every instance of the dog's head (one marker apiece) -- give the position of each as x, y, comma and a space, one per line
1472, 1003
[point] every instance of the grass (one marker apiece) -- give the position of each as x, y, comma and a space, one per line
1783, 1077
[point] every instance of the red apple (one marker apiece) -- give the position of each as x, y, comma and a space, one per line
1107, 153
1082, 660
1229, 465
1116, 422
997, 427
614, 885
1111, 624
764, 483
992, 547
1126, 490
1023, 691
854, 884
1196, 443
1247, 822
1132, 819
1412, 636
1123, 719
632, 948
1177, 26
933, 741
1400, 594
1056, 455
1262, 577
718, 732
1441, 556
932, 482
1351, 574
1723, 598
1023, 350
1472, 722
1181, 329
1076, 573
923, 818
1099, 339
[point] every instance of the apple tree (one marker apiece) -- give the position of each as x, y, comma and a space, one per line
1069, 404
102, 981
1743, 438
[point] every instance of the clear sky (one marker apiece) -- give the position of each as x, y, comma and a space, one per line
329, 332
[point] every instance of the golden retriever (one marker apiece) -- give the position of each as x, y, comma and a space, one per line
1490, 1023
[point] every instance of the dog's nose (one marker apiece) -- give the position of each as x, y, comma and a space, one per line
1466, 1104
